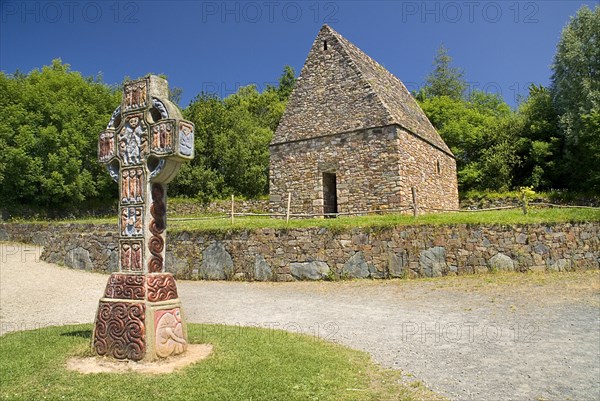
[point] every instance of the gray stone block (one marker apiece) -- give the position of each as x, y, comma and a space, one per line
216, 263
356, 267
432, 261
40, 238
4, 235
501, 262
376, 273
112, 258
262, 270
179, 267
560, 265
315, 270
55, 257
360, 239
541, 249
397, 263
79, 258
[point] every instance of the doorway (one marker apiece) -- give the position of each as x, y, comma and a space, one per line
330, 205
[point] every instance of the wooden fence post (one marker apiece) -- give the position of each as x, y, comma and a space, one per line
287, 215
414, 199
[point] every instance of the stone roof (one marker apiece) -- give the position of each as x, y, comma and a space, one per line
341, 89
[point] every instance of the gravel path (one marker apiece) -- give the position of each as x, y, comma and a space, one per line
510, 339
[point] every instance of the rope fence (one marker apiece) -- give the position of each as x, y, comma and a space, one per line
414, 208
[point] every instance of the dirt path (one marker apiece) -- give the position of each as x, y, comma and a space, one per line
497, 337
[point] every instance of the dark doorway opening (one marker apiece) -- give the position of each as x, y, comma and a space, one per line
330, 206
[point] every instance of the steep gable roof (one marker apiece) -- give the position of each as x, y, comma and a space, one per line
341, 89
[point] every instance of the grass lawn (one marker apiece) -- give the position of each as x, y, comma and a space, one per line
246, 364
389, 220
504, 217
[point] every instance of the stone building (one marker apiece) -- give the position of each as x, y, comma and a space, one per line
353, 139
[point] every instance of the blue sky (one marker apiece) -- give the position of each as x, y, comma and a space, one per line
217, 46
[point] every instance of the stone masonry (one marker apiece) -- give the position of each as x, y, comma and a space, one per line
319, 253
350, 119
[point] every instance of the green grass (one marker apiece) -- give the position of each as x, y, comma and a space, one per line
389, 220
501, 217
561, 197
246, 364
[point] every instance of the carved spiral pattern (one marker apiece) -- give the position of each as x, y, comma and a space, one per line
156, 244
125, 286
120, 330
161, 288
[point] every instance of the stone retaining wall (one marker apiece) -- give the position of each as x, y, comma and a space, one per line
320, 253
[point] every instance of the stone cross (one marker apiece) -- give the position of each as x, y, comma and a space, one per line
143, 146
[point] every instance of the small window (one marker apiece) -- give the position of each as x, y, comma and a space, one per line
438, 167
324, 45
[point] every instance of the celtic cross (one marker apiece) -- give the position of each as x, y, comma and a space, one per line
143, 146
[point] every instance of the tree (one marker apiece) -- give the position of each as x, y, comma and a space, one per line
201, 177
576, 94
232, 141
287, 81
48, 136
590, 136
476, 130
245, 143
444, 80
175, 95
540, 145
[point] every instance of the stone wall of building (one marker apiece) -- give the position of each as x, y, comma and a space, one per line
365, 163
430, 171
187, 207
320, 253
376, 169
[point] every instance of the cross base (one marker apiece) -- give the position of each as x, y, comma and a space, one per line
140, 318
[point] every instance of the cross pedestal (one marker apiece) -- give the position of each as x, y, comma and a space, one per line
140, 316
